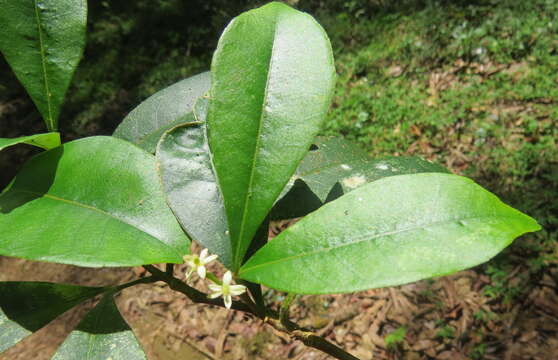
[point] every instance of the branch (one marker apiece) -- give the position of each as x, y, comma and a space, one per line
193, 294
307, 337
146, 280
277, 321
169, 269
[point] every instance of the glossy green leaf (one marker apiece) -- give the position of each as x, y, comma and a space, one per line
103, 334
91, 202
46, 141
272, 80
43, 42
165, 109
189, 182
336, 160
25, 307
392, 231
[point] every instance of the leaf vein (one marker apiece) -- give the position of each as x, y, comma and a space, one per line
50, 120
256, 152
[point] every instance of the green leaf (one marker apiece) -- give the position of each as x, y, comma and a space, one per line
272, 81
337, 160
25, 307
335, 166
103, 334
167, 108
91, 202
189, 182
43, 42
46, 141
389, 232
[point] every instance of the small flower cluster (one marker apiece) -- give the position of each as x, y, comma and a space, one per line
196, 263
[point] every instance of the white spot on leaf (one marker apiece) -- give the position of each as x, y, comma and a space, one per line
354, 181
345, 167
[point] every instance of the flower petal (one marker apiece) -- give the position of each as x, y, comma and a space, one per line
227, 278
215, 295
228, 301
209, 259
203, 254
201, 271
215, 287
237, 289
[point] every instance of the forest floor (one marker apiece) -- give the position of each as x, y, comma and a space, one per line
473, 87
445, 318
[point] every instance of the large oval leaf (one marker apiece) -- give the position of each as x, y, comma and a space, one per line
46, 141
392, 231
272, 80
91, 202
43, 42
165, 109
103, 334
189, 182
25, 307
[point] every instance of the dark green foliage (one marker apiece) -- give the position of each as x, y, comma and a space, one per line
43, 48
185, 168
25, 307
102, 334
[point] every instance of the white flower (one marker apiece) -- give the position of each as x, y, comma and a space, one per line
197, 263
226, 290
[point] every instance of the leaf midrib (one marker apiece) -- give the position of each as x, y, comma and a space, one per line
50, 120
92, 336
236, 256
365, 238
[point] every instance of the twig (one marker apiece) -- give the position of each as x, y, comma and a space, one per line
194, 295
272, 318
284, 311
195, 347
146, 280
252, 305
310, 339
169, 269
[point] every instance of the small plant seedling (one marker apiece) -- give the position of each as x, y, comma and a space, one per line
213, 159
396, 337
